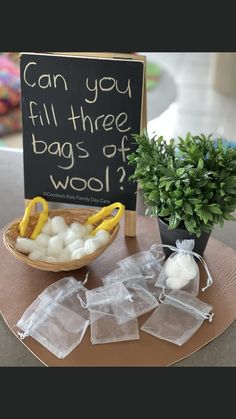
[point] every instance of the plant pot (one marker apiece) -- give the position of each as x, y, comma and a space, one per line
170, 236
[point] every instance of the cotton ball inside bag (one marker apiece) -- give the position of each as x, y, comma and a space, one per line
182, 265
180, 270
176, 282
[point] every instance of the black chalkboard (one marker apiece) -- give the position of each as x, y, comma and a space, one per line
78, 117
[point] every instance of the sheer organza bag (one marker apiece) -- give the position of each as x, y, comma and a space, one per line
180, 271
178, 317
112, 314
146, 263
143, 300
56, 319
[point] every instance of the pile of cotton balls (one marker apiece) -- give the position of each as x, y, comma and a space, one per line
179, 270
59, 242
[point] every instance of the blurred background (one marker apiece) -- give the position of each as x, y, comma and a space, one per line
193, 92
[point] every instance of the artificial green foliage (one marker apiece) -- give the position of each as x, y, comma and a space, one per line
190, 183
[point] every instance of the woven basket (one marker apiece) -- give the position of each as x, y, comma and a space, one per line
70, 215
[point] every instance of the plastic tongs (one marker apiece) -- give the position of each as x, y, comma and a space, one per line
43, 216
111, 222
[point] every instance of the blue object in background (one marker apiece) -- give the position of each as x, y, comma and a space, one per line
227, 143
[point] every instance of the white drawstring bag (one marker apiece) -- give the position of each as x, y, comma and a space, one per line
112, 314
178, 317
143, 300
146, 264
180, 271
56, 319
140, 263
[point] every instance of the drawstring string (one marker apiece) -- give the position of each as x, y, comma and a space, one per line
162, 296
82, 302
22, 335
190, 252
86, 279
129, 297
207, 316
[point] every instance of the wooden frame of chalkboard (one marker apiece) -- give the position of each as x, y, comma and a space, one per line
79, 111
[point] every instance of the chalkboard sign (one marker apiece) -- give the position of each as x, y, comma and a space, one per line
79, 114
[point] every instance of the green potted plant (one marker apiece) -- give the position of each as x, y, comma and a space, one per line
189, 184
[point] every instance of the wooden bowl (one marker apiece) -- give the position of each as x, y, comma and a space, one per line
70, 216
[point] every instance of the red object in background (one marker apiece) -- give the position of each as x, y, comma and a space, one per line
10, 114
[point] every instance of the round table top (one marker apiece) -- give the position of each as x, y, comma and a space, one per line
20, 284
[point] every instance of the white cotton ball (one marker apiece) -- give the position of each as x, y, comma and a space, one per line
70, 236
64, 256
88, 237
42, 239
24, 245
172, 267
103, 236
55, 246
182, 265
188, 266
91, 245
50, 259
176, 282
47, 228
78, 253
80, 229
58, 225
37, 255
75, 245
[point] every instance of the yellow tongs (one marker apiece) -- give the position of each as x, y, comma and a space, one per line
43, 216
110, 223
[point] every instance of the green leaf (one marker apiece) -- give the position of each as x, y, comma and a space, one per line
164, 212
168, 185
178, 194
200, 164
195, 201
231, 191
209, 195
173, 221
154, 195
205, 215
221, 221
188, 208
190, 226
214, 208
229, 217
180, 171
188, 191
179, 203
162, 183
